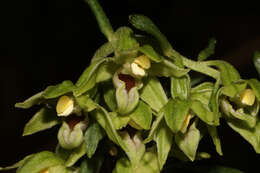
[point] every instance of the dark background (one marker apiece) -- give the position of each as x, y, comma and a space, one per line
44, 42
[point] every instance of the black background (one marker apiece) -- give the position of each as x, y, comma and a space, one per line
44, 42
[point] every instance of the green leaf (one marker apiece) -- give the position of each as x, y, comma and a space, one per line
203, 112
150, 52
256, 60
110, 97
142, 115
180, 87
175, 112
166, 68
58, 90
153, 94
35, 99
104, 51
18, 164
189, 141
88, 78
92, 165
119, 121
39, 162
252, 135
106, 71
92, 137
255, 85
75, 155
163, 138
42, 120
216, 140
208, 51
222, 169
86, 103
228, 73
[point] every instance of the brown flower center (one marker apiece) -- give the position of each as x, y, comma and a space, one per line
73, 120
129, 81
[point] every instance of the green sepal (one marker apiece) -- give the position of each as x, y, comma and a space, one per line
143, 23
119, 121
228, 73
175, 112
189, 141
255, 85
104, 51
92, 165
110, 97
70, 157
202, 92
106, 71
167, 68
142, 115
208, 51
153, 94
87, 80
44, 119
58, 90
150, 53
40, 161
92, 136
233, 89
252, 135
203, 112
215, 138
180, 87
35, 99
256, 60
59, 169
231, 113
86, 103
163, 139
18, 164
148, 164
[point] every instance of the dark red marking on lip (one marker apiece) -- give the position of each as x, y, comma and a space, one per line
73, 120
129, 81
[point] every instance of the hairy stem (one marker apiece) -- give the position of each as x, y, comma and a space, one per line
102, 19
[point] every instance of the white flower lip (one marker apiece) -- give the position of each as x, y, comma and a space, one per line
65, 106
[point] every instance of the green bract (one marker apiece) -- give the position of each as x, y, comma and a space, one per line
120, 106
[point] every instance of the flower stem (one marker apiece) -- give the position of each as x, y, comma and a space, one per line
102, 19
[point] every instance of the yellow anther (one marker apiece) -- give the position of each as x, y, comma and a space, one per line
64, 106
45, 171
143, 61
186, 123
247, 97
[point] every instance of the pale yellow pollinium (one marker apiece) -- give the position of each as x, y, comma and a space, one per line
140, 64
44, 171
64, 106
247, 97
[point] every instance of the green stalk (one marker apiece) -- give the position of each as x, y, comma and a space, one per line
101, 18
201, 67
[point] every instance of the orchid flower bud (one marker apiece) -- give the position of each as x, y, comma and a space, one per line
70, 135
247, 97
65, 106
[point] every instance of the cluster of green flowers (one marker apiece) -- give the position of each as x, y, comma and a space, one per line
119, 99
